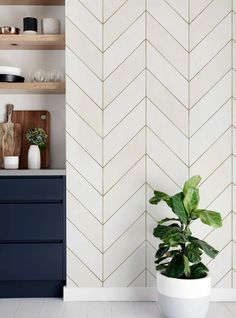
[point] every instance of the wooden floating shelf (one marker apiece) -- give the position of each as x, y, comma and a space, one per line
33, 2
32, 42
32, 88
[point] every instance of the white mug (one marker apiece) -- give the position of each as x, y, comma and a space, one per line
11, 162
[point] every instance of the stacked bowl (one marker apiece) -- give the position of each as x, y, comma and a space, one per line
11, 74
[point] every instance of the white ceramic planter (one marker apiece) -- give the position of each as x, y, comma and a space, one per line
183, 298
34, 157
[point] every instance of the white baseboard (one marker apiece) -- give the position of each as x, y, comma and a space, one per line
132, 294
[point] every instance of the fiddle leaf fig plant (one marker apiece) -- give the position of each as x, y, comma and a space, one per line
179, 254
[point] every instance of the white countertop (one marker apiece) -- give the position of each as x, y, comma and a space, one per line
27, 172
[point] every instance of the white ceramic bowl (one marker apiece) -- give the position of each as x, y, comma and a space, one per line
10, 70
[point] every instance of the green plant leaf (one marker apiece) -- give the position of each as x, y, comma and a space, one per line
193, 253
161, 251
175, 267
159, 196
161, 266
167, 220
187, 270
178, 207
175, 239
198, 271
160, 259
193, 182
210, 218
208, 249
191, 200
162, 230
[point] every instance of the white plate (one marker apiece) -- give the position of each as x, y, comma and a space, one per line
10, 70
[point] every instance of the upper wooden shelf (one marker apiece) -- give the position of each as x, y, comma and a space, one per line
33, 2
32, 88
32, 42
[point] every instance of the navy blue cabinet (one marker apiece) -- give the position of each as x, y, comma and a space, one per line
32, 236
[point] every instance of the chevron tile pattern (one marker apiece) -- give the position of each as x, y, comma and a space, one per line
150, 101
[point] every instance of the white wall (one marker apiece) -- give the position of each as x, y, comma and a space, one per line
30, 61
149, 103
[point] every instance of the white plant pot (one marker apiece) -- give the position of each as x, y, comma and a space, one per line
183, 298
34, 157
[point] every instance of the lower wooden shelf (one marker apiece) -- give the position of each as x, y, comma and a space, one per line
28, 172
32, 88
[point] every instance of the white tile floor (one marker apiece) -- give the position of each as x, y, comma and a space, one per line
55, 308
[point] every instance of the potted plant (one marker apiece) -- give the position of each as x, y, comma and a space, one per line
183, 281
37, 139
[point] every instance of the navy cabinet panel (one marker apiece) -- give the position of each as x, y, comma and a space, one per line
31, 261
42, 222
31, 189
32, 236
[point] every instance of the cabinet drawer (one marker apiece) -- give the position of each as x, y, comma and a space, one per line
39, 221
31, 262
31, 189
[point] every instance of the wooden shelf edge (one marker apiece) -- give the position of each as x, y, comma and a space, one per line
28, 172
33, 2
32, 42
32, 88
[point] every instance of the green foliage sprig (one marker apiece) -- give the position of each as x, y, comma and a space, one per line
37, 136
179, 254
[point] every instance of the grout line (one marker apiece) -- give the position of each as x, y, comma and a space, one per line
146, 149
169, 147
167, 88
96, 219
105, 21
72, 108
215, 26
123, 118
70, 78
211, 88
85, 236
232, 137
167, 118
124, 232
103, 13
123, 32
186, 50
168, 62
183, 19
137, 47
189, 91
124, 203
228, 43
77, 257
144, 271
211, 116
201, 11
84, 63
125, 260
67, 18
77, 142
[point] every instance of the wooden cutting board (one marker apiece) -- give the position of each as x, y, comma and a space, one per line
10, 137
29, 120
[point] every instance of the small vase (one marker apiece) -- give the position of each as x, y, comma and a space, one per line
34, 157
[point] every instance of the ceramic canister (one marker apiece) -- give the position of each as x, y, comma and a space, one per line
51, 26
30, 25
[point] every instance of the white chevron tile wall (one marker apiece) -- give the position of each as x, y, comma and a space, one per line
150, 101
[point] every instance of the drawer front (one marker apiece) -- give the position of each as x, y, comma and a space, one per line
31, 262
31, 189
40, 222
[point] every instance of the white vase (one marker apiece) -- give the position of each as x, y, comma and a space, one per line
34, 157
183, 298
